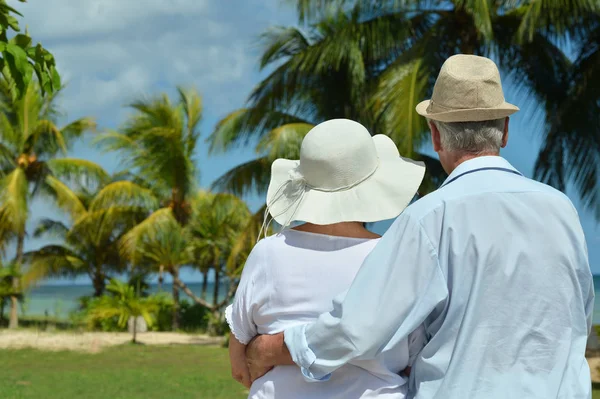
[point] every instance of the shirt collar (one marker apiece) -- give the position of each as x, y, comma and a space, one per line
480, 162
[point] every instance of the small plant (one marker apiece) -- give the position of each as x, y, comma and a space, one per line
123, 303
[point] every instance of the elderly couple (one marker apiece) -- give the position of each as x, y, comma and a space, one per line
481, 289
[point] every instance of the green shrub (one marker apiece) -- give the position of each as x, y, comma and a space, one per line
193, 316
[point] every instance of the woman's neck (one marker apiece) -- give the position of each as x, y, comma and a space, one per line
343, 229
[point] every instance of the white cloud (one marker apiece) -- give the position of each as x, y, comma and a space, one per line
68, 18
110, 51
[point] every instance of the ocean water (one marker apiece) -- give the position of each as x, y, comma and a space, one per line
60, 301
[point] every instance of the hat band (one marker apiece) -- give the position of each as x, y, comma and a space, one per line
342, 188
435, 107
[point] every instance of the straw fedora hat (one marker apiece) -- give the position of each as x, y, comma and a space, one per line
468, 89
343, 175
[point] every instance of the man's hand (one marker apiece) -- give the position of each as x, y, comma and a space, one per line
265, 352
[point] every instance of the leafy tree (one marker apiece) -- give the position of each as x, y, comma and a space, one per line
571, 149
157, 143
212, 230
89, 245
30, 142
21, 59
373, 61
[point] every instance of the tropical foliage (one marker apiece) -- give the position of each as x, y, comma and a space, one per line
90, 244
367, 60
205, 242
157, 142
21, 59
125, 304
29, 164
373, 61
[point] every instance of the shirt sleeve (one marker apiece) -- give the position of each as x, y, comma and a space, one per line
397, 287
239, 314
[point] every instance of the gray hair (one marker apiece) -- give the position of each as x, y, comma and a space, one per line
471, 137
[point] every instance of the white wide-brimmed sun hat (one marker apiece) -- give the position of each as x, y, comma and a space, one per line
468, 89
343, 175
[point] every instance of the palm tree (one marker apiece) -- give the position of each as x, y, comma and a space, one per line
158, 143
571, 150
214, 224
90, 243
30, 140
124, 303
7, 274
159, 242
373, 61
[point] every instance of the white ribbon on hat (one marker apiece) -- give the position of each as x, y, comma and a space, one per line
296, 183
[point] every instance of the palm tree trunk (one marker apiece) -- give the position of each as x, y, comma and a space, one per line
99, 282
217, 284
14, 300
175, 320
2, 303
134, 329
204, 283
161, 278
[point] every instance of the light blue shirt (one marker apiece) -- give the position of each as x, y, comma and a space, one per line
495, 266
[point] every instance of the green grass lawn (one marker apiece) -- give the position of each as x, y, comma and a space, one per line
124, 372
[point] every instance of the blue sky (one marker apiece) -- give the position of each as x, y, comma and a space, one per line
110, 52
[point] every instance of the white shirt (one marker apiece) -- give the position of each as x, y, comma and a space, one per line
496, 266
288, 280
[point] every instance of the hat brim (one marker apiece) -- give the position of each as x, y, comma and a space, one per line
467, 115
384, 195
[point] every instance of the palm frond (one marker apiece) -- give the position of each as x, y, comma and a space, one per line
7, 159
65, 198
52, 261
46, 138
11, 137
77, 128
244, 242
192, 108
249, 177
239, 127
311, 10
52, 228
124, 193
14, 201
79, 171
159, 239
284, 141
552, 18
571, 150
481, 12
99, 228
281, 42
115, 141
396, 113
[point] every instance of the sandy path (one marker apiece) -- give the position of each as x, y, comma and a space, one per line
94, 341
594, 363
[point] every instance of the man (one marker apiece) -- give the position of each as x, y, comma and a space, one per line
493, 264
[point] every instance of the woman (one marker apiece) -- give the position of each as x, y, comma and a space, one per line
344, 178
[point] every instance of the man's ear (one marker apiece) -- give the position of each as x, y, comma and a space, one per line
435, 137
505, 135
